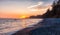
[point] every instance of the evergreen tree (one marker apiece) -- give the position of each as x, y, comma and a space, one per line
55, 12
53, 4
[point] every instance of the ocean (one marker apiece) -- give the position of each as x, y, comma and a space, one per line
10, 26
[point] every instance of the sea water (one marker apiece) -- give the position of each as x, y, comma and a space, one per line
10, 26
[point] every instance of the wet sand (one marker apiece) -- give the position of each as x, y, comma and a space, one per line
46, 27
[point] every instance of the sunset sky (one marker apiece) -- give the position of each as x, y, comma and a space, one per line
18, 8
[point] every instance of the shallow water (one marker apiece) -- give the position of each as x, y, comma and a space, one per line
10, 26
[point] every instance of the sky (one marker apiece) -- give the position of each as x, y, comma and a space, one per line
18, 8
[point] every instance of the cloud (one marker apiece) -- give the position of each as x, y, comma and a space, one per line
39, 8
38, 4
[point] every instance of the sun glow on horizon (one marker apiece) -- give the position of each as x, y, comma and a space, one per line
23, 16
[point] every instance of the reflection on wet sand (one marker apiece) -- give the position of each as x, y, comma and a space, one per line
11, 26
49, 26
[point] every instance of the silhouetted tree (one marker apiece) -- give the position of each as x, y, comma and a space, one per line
46, 14
55, 12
